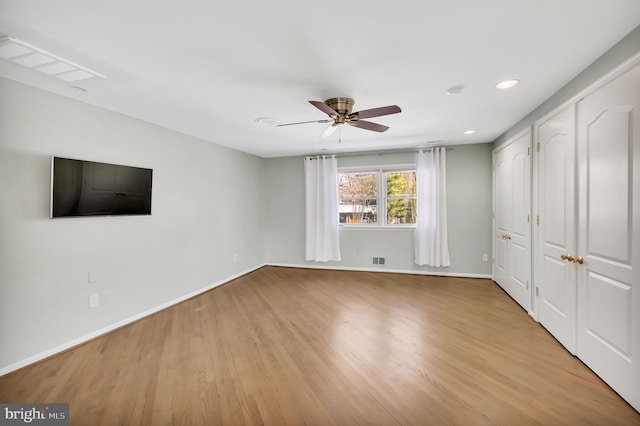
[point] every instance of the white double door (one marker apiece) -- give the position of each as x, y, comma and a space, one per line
512, 218
588, 242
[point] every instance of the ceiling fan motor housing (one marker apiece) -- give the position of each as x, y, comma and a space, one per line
342, 106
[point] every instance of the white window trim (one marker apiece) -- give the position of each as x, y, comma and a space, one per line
381, 197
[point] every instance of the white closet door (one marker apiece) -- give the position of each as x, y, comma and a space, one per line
502, 220
556, 277
609, 234
512, 233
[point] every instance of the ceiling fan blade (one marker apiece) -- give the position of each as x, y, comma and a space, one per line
304, 122
324, 108
369, 125
377, 112
329, 130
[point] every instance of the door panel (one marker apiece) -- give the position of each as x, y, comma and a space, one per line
501, 257
520, 261
556, 278
556, 159
608, 185
609, 234
614, 329
521, 221
502, 179
556, 298
520, 172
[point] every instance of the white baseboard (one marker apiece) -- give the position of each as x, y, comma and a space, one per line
393, 271
75, 342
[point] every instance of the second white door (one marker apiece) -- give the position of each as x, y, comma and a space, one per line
512, 231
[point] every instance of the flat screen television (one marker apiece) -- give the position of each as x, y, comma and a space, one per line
88, 188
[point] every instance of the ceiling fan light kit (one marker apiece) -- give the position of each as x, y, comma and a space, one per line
339, 112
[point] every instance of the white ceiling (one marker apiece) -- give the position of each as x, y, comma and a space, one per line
210, 68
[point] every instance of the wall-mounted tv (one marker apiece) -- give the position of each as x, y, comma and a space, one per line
87, 188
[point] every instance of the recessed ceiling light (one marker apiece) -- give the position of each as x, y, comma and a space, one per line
455, 90
507, 84
266, 120
469, 132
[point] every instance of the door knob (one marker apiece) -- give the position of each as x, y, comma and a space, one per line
570, 258
506, 237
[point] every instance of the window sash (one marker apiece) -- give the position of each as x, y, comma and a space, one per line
382, 198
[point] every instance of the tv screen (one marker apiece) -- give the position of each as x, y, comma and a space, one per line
87, 188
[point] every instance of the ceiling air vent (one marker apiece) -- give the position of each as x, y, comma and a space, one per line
31, 57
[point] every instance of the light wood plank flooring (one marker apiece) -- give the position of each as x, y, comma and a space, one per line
300, 346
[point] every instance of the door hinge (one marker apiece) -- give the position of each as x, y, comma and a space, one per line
493, 260
538, 220
528, 219
528, 151
538, 147
537, 291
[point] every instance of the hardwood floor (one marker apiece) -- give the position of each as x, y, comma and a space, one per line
297, 346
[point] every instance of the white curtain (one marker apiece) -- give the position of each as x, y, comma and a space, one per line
431, 242
322, 242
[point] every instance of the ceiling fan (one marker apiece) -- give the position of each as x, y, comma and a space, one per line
339, 112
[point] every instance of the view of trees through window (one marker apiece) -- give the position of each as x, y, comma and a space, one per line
358, 194
361, 192
401, 197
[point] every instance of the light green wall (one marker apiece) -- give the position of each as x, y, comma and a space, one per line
469, 216
623, 50
205, 209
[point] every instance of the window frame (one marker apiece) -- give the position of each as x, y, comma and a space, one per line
381, 200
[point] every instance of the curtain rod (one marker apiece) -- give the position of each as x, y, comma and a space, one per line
379, 153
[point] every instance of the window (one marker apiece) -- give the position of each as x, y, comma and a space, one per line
401, 197
358, 194
361, 191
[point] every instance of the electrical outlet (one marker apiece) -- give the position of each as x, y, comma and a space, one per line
485, 257
381, 260
94, 300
